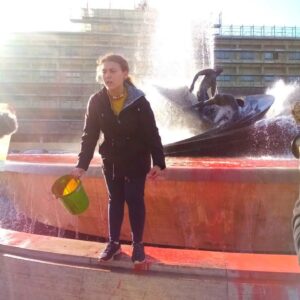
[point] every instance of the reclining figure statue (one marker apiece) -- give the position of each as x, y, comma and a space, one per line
226, 109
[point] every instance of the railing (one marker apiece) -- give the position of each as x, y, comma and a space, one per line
259, 31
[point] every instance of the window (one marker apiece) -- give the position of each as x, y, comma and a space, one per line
247, 55
269, 78
293, 79
44, 76
70, 51
247, 78
225, 55
47, 74
270, 55
225, 78
105, 27
72, 74
294, 56
73, 77
42, 51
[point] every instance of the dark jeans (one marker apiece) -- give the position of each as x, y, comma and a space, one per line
130, 190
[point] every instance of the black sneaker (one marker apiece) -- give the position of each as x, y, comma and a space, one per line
112, 249
138, 253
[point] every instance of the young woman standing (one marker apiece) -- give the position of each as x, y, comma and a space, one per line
122, 114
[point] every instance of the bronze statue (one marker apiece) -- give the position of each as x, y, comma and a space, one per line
208, 82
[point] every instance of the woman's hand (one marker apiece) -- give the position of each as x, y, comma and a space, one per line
77, 172
154, 172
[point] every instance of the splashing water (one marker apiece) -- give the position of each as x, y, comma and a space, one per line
278, 128
182, 44
175, 52
284, 98
172, 122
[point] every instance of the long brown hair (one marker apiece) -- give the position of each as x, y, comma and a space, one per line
120, 60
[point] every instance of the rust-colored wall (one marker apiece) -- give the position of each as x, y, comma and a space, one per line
194, 206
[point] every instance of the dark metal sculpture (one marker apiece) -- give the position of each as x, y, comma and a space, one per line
228, 139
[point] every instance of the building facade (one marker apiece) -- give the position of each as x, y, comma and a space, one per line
255, 57
49, 76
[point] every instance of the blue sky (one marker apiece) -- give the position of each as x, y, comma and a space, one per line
24, 15
261, 12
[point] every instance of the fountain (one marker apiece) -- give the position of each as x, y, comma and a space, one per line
206, 217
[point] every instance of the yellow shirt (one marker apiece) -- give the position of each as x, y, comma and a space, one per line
118, 104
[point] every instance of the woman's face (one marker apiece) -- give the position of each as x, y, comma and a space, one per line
113, 76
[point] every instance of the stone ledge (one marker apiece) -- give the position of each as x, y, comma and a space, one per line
42, 267
181, 261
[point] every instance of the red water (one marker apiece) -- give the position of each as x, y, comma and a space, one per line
190, 162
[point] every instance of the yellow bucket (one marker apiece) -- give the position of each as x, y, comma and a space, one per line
72, 194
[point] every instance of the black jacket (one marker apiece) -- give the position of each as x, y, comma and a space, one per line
130, 139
